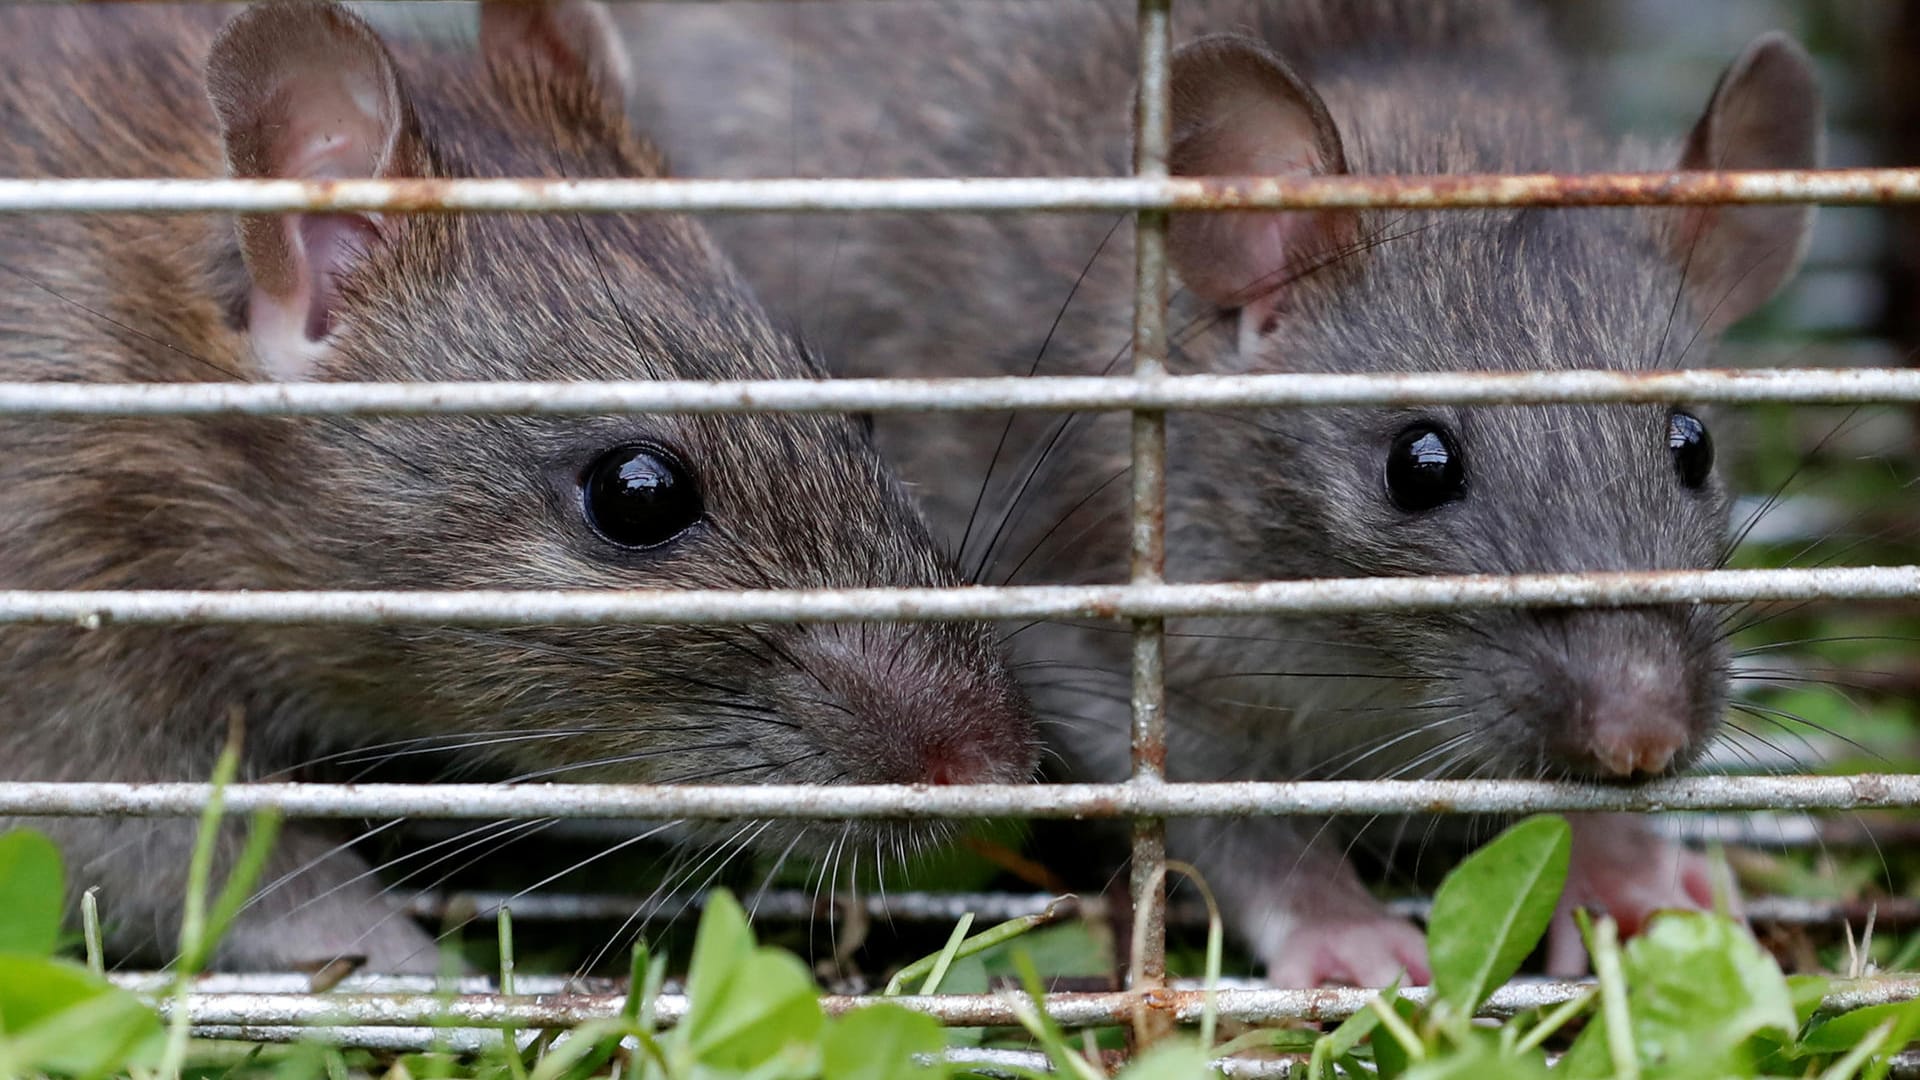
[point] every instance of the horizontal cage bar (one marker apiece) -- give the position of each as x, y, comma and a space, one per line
1048, 393
800, 905
959, 195
1013, 1064
92, 609
1774, 831
1183, 1005
917, 802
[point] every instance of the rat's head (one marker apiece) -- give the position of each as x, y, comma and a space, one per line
1607, 694
633, 502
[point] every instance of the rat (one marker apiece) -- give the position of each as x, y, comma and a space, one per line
306, 89
1308, 87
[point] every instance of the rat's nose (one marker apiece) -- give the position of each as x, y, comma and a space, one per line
965, 740
943, 767
1632, 749
933, 707
946, 755
1625, 722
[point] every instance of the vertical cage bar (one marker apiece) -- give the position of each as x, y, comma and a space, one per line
1148, 532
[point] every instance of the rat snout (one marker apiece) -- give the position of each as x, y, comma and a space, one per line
921, 705
950, 761
1624, 697
1633, 743
926, 735
1624, 718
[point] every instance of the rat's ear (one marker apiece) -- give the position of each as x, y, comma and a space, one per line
1764, 114
305, 90
1238, 110
569, 39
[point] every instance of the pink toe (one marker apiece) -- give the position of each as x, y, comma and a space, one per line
1566, 953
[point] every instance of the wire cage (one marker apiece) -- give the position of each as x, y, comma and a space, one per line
398, 1012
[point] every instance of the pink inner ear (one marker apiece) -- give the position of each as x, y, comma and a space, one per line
335, 123
306, 91
1240, 111
331, 245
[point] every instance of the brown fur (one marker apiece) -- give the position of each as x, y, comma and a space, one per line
267, 503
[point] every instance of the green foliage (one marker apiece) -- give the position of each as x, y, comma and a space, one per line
32, 885
1693, 996
1492, 910
56, 1017
881, 1043
1699, 990
755, 1011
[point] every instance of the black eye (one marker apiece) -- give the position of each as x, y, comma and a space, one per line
1692, 448
639, 496
1424, 469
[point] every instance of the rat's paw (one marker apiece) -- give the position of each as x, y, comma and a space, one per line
370, 938
1621, 868
1369, 949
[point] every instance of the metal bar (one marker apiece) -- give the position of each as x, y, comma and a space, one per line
1147, 521
1813, 386
977, 1060
289, 983
1181, 1005
795, 905
92, 609
772, 905
910, 802
957, 195
985, 1062
392, 1039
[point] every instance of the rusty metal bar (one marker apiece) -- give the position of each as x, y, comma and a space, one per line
586, 607
1040, 393
1844, 187
912, 802
1147, 523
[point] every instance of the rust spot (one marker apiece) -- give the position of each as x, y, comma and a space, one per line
1325, 1005
1152, 756
1870, 789
1548, 189
1161, 999
419, 195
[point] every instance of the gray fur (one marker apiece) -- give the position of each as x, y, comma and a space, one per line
1043, 88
